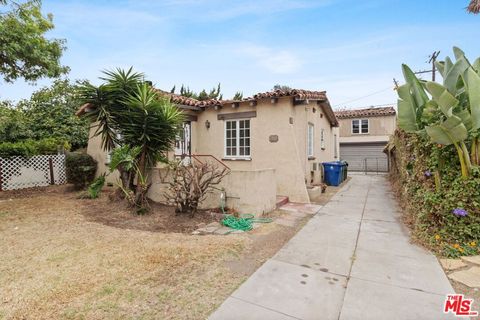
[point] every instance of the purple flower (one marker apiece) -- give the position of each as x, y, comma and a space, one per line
428, 173
459, 212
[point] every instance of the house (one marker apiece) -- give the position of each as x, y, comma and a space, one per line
272, 143
363, 135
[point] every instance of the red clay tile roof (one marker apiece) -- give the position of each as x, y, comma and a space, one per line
294, 93
369, 112
297, 93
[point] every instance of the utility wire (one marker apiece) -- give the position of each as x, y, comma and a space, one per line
362, 97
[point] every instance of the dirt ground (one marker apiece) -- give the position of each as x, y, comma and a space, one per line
69, 258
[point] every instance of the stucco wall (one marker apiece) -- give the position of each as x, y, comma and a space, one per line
287, 157
249, 191
378, 126
94, 149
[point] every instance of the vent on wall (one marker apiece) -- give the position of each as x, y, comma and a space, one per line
314, 166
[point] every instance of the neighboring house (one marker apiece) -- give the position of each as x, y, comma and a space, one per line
273, 143
363, 135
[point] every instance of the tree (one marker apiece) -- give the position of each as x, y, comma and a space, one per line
238, 95
202, 96
25, 52
281, 87
13, 124
474, 6
50, 113
129, 112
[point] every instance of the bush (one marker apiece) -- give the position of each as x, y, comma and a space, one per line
80, 169
432, 190
29, 148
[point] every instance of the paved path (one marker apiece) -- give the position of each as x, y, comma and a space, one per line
352, 260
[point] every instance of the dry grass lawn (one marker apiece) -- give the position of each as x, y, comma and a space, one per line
56, 263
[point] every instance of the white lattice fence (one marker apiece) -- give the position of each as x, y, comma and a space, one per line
36, 171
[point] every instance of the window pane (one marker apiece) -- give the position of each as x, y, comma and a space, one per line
365, 126
355, 126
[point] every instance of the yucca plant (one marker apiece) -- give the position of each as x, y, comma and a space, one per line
129, 114
449, 113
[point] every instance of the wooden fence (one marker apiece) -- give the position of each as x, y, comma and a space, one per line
36, 171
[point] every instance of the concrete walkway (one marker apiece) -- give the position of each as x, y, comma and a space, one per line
352, 260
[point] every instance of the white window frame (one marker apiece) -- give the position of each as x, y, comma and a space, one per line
310, 139
237, 139
360, 126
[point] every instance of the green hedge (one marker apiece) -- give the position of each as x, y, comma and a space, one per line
80, 169
29, 148
428, 180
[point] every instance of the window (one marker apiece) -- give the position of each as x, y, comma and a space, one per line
310, 135
360, 126
322, 139
237, 138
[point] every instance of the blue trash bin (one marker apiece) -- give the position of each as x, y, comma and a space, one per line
333, 173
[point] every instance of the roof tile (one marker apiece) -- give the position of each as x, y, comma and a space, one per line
368, 112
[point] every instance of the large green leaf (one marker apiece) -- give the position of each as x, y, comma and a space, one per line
419, 95
448, 132
458, 53
407, 111
476, 65
453, 74
466, 118
445, 100
440, 67
473, 86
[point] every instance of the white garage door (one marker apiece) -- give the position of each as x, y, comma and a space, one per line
365, 155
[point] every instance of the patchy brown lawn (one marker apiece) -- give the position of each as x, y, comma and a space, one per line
63, 257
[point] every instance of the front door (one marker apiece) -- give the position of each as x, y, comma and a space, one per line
183, 147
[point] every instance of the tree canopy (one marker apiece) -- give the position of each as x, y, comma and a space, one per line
49, 113
25, 52
214, 93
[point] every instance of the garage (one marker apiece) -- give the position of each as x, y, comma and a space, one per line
365, 156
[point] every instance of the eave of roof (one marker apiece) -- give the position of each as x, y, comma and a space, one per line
368, 112
197, 105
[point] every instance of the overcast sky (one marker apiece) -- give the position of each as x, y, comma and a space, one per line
352, 49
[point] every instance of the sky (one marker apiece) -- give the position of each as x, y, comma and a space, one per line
351, 49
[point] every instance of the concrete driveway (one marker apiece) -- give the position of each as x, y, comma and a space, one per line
352, 260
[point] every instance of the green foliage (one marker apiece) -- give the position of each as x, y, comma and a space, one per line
28, 148
49, 113
25, 51
238, 95
80, 169
431, 198
449, 113
281, 87
94, 189
214, 93
129, 112
13, 123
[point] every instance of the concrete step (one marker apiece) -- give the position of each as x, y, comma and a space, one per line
281, 200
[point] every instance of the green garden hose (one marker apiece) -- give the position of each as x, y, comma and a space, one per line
244, 222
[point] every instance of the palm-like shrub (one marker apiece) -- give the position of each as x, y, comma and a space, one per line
128, 112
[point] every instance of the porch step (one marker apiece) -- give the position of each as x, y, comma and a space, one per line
281, 200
